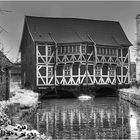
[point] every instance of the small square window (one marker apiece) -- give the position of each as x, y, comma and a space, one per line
111, 73
50, 71
67, 70
98, 71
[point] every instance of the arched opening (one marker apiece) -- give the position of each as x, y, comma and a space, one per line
106, 92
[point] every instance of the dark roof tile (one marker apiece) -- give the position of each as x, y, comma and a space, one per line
71, 30
4, 61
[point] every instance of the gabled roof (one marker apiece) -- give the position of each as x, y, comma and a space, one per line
4, 61
72, 30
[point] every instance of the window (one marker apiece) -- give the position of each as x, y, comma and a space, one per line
50, 71
78, 49
63, 49
70, 49
113, 52
103, 51
74, 49
138, 52
111, 71
42, 49
59, 49
109, 51
98, 71
49, 50
67, 69
83, 48
105, 70
99, 50
66, 48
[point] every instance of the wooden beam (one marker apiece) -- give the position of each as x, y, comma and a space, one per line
55, 60
86, 70
95, 49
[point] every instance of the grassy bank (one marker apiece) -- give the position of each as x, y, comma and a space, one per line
19, 99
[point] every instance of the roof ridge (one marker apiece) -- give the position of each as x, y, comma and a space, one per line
74, 18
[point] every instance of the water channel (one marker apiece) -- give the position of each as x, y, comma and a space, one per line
101, 118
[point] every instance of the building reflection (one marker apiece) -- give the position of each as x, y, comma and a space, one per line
85, 121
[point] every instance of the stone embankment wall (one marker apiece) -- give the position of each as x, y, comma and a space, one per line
131, 97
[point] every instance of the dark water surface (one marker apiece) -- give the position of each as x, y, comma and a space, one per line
101, 118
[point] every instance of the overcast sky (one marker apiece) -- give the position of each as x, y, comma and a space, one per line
123, 11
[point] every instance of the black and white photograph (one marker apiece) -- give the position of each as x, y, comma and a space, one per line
69, 70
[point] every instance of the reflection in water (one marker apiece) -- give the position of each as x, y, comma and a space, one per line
103, 118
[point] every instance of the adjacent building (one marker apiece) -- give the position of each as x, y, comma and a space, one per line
72, 51
138, 48
132, 71
5, 66
15, 73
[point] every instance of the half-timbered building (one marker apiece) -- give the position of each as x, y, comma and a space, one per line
72, 51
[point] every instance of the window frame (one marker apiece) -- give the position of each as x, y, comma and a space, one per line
49, 51
111, 70
50, 71
67, 70
98, 71
83, 50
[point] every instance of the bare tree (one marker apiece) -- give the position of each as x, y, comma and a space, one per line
3, 11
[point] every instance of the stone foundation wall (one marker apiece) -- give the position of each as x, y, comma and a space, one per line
131, 97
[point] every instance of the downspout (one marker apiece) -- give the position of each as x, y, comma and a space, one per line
86, 70
116, 69
55, 60
129, 66
95, 51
